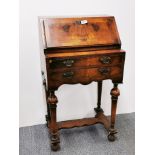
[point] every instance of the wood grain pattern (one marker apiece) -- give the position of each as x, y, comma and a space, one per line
68, 32
114, 97
84, 61
83, 76
100, 118
81, 50
52, 101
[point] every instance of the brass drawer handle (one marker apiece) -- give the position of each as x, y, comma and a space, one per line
68, 74
104, 71
68, 62
105, 59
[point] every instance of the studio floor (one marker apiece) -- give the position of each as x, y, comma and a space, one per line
90, 140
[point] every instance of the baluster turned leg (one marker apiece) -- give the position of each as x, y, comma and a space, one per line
99, 92
114, 97
52, 101
48, 117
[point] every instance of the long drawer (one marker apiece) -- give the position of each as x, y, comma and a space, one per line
71, 76
84, 61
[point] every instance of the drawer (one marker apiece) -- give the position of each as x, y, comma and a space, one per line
84, 76
84, 61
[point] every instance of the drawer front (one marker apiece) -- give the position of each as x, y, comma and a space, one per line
84, 76
84, 61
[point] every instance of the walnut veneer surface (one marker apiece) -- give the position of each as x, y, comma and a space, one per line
81, 50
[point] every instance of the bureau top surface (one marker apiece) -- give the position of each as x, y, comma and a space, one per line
60, 33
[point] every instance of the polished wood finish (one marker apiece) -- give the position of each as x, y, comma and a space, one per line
52, 102
92, 60
80, 32
84, 76
114, 97
99, 93
81, 50
99, 118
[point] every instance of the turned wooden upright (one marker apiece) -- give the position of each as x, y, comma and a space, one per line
81, 50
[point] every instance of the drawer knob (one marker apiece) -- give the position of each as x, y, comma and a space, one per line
104, 71
68, 62
68, 74
105, 60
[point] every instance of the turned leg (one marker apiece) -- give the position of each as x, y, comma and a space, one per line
52, 101
99, 92
48, 117
46, 92
114, 96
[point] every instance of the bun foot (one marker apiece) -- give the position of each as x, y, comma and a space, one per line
55, 142
55, 147
111, 137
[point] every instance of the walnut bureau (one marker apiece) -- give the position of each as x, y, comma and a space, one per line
81, 50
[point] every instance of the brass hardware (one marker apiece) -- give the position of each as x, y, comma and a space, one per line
82, 22
68, 62
105, 60
50, 61
68, 74
104, 71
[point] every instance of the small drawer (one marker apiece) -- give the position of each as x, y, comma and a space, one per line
84, 61
71, 76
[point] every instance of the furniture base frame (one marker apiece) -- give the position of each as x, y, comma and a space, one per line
100, 118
